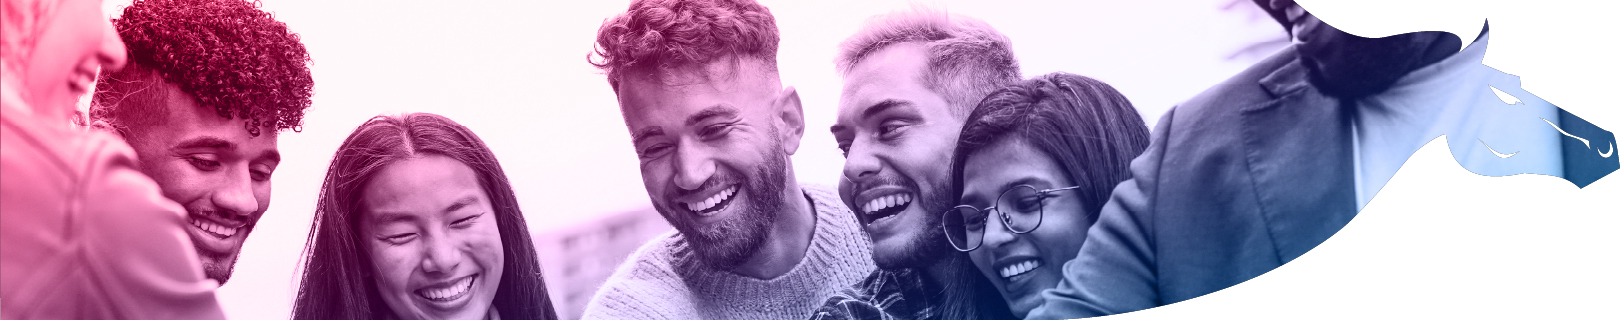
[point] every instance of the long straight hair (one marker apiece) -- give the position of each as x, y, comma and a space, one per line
338, 280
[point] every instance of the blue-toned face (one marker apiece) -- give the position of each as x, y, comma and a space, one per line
1022, 265
897, 136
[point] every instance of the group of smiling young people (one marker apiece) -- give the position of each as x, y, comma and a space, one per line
967, 191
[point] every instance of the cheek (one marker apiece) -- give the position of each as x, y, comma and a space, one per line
1060, 236
981, 260
484, 243
392, 265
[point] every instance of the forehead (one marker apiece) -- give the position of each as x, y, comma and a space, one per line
183, 118
1007, 160
654, 96
894, 72
424, 184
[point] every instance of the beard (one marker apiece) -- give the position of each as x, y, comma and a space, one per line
1349, 67
219, 268
927, 247
727, 244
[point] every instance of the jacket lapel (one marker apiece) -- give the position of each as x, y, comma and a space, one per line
1300, 158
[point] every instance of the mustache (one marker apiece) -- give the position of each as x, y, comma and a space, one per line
883, 181
721, 177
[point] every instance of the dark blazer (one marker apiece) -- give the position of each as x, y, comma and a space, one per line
1239, 180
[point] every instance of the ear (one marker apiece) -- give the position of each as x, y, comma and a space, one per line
791, 114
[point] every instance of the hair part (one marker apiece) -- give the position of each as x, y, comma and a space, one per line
337, 279
1087, 127
967, 58
655, 36
228, 54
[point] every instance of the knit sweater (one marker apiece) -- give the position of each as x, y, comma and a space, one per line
665, 280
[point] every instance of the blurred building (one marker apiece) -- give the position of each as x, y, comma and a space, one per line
577, 259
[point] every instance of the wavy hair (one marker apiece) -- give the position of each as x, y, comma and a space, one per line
1089, 128
230, 55
670, 34
336, 273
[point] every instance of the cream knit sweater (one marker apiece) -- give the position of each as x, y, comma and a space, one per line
664, 279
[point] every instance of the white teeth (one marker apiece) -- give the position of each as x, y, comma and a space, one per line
723, 195
214, 228
1019, 268
886, 202
447, 292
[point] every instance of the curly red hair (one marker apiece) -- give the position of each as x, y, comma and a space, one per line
665, 34
228, 54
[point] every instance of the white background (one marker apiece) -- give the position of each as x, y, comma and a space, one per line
1438, 241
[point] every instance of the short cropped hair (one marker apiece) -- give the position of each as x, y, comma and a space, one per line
228, 54
1087, 127
669, 34
967, 59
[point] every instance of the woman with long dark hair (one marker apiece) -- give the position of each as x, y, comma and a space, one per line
416, 220
1034, 164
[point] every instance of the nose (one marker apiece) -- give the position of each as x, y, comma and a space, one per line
112, 53
235, 194
996, 232
442, 256
693, 166
861, 164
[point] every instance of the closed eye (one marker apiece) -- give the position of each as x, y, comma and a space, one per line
715, 131
203, 164
399, 238
464, 223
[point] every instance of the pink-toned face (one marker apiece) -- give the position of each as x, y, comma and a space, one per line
430, 231
75, 40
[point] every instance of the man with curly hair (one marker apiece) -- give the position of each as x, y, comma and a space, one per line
209, 85
714, 127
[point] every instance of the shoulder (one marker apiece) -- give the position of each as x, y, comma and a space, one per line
1242, 90
855, 302
645, 284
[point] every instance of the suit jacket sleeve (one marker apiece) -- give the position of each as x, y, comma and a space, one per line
1115, 269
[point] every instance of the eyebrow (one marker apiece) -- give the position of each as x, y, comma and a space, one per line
884, 105
719, 110
646, 133
461, 203
207, 142
1025, 180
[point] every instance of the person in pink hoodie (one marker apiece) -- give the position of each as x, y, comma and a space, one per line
83, 234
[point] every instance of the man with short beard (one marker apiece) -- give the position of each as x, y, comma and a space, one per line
1260, 169
910, 80
209, 86
714, 128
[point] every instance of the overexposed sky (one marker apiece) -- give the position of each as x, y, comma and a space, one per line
516, 73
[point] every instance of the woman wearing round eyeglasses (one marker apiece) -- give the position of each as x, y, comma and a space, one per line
1034, 164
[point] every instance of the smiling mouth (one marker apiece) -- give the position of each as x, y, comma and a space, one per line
1018, 269
714, 203
448, 292
885, 207
214, 229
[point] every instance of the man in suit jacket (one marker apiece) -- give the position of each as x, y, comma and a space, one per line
1263, 167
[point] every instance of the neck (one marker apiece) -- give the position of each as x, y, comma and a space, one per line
788, 239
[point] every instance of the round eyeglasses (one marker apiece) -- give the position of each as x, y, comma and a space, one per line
1019, 208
